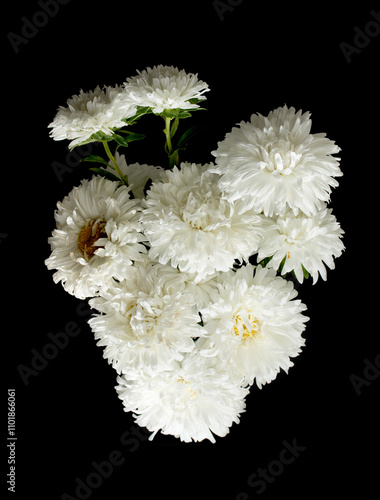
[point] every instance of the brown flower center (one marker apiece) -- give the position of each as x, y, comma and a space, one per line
89, 235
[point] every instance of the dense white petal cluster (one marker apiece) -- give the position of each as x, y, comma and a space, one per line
99, 110
187, 268
192, 402
148, 321
97, 237
302, 244
165, 88
273, 163
254, 326
190, 224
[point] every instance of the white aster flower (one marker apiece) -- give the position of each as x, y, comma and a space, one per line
97, 237
253, 324
190, 224
304, 242
138, 174
100, 110
165, 87
192, 402
273, 163
148, 321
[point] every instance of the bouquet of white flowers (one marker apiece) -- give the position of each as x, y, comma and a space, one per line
191, 268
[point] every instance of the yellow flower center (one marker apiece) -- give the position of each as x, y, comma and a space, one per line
246, 325
89, 235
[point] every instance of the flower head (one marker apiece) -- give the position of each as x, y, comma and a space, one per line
165, 88
148, 321
138, 174
97, 237
253, 324
191, 402
273, 163
100, 110
303, 243
191, 225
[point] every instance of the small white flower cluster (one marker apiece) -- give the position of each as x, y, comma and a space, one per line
165, 256
277, 167
107, 109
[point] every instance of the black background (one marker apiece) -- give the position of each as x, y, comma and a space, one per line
259, 57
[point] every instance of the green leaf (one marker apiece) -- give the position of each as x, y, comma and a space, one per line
97, 159
184, 114
195, 100
131, 136
102, 137
87, 141
141, 111
281, 266
105, 173
173, 158
121, 141
187, 135
169, 113
96, 137
125, 140
198, 109
179, 112
174, 128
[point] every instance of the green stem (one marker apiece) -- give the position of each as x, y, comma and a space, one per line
173, 155
114, 162
169, 147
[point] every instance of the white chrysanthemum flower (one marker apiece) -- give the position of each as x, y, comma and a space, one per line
304, 242
138, 174
100, 110
192, 402
190, 224
97, 237
254, 326
273, 163
148, 321
165, 87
